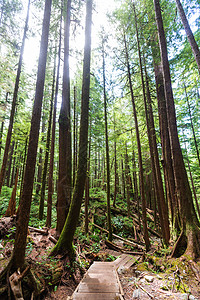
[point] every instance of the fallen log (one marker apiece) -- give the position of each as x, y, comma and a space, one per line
51, 238
154, 232
42, 231
115, 247
134, 244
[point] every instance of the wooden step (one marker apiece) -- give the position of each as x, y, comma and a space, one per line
96, 296
98, 287
101, 281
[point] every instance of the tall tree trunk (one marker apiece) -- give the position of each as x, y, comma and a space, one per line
116, 184
23, 169
158, 185
107, 148
190, 225
40, 162
87, 184
12, 179
75, 136
192, 182
2, 125
14, 102
65, 155
127, 177
192, 126
162, 207
123, 180
11, 210
48, 140
190, 36
53, 133
18, 256
165, 141
10, 158
135, 184
144, 217
65, 242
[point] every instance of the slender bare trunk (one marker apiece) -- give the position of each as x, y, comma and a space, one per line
18, 257
65, 155
53, 133
107, 150
144, 217
190, 36
14, 102
48, 140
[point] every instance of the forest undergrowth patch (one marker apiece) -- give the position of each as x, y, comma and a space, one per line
58, 277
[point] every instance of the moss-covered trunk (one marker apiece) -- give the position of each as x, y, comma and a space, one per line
65, 242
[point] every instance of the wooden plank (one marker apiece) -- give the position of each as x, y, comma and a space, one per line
113, 252
119, 259
100, 276
98, 288
119, 283
99, 280
130, 262
123, 260
100, 272
96, 296
103, 263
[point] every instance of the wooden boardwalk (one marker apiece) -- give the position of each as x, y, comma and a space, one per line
101, 281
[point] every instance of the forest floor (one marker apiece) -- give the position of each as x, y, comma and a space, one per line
155, 275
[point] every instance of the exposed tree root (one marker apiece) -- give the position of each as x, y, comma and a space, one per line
188, 243
15, 283
180, 246
195, 269
193, 242
9, 277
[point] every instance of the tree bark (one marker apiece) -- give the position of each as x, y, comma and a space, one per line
48, 140
11, 210
192, 126
40, 162
10, 158
107, 148
158, 185
162, 207
189, 221
144, 218
18, 256
128, 181
116, 184
87, 185
14, 102
75, 136
2, 126
190, 36
23, 169
65, 151
53, 133
65, 242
